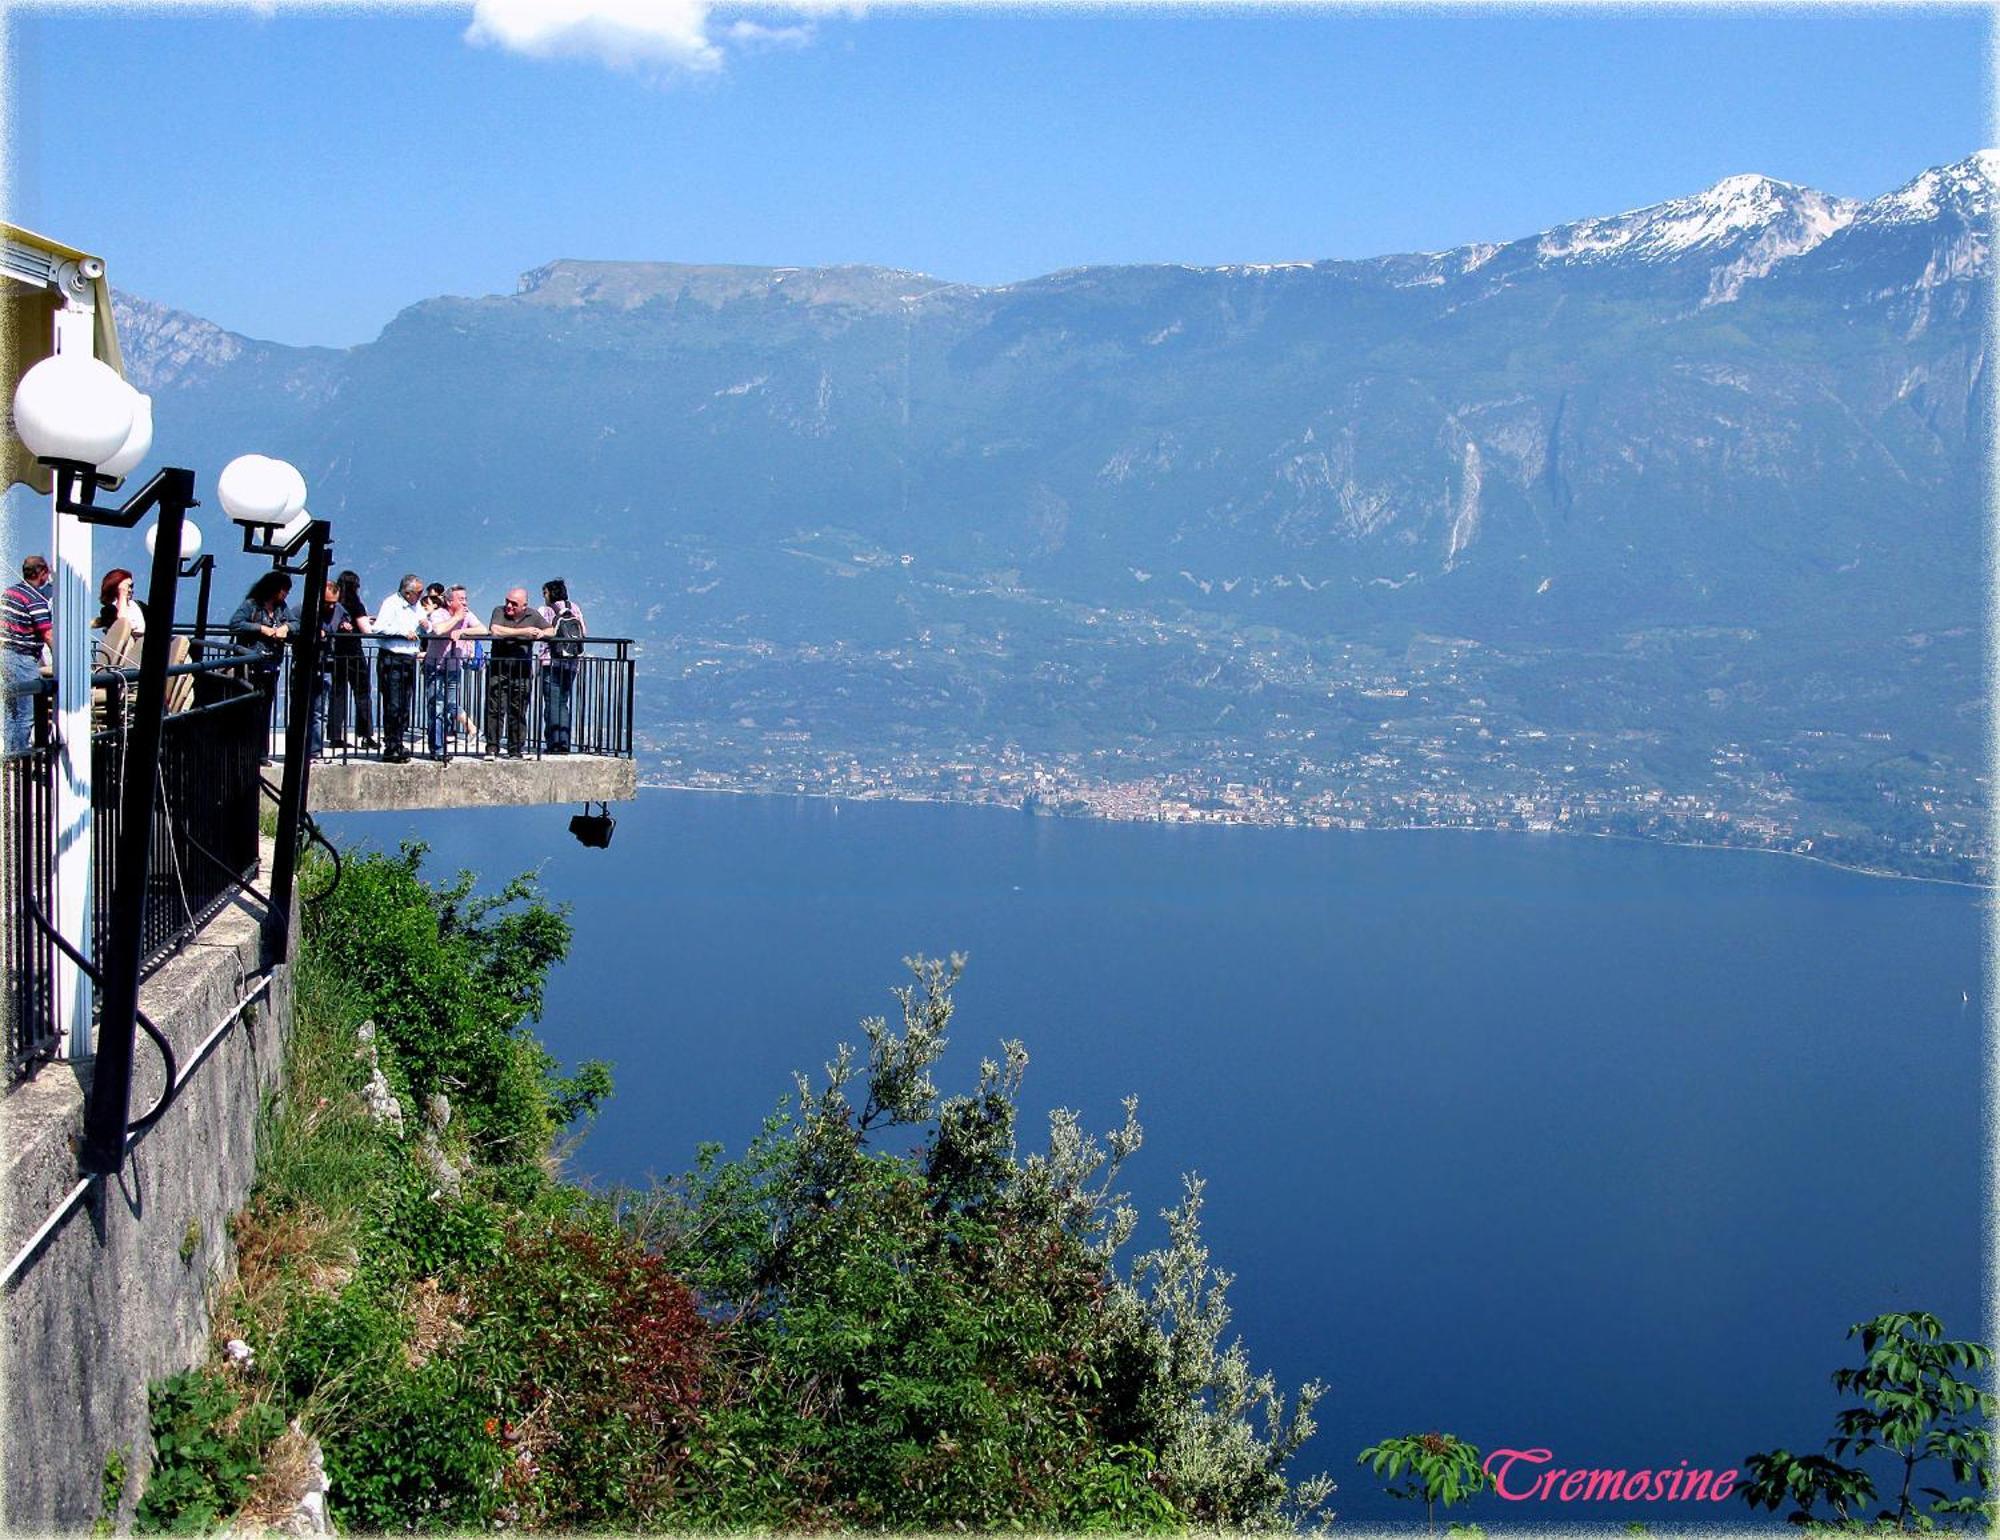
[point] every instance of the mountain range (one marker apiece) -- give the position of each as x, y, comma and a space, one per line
1758, 411
1742, 405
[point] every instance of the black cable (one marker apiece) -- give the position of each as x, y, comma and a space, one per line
236, 881
316, 836
134, 1129
89, 971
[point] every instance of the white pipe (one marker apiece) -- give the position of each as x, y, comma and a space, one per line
195, 1059
61, 1211
33, 1242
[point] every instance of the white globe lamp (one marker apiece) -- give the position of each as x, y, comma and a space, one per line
190, 539
258, 491
125, 459
74, 407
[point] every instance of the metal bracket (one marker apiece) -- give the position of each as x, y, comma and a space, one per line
77, 485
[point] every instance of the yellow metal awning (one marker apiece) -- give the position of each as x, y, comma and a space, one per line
41, 274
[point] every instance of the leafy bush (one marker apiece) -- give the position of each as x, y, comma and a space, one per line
417, 1452
1433, 1467
416, 1230
206, 1448
940, 1338
1924, 1403
602, 1354
334, 1342
451, 978
111, 1492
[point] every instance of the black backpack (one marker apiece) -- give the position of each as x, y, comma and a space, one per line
567, 644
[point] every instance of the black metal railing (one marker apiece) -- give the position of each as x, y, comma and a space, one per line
203, 840
204, 836
453, 706
27, 884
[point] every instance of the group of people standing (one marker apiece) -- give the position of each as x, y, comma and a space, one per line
426, 636
432, 634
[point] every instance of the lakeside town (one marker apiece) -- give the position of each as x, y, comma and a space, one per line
1133, 715
1378, 791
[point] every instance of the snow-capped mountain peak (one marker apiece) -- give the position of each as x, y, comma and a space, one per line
1964, 188
1737, 211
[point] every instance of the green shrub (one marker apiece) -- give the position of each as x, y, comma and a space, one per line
1120, 1494
450, 978
335, 1342
207, 1446
419, 1231
940, 1338
1924, 1403
417, 1452
111, 1492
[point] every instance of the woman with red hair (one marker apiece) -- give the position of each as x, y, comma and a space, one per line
121, 619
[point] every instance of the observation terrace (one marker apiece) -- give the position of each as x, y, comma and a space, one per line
492, 735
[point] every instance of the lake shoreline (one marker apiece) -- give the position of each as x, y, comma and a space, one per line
1599, 834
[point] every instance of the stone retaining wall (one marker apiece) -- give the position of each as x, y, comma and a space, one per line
122, 1291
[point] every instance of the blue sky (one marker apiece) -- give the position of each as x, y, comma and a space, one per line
317, 171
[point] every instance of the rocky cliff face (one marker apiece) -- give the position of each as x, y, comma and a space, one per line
164, 347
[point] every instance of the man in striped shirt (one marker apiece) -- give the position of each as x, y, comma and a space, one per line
24, 632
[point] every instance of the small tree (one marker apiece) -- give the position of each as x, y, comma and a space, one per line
1913, 1404
919, 1338
1437, 1467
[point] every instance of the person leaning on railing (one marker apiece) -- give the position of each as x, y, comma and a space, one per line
560, 655
263, 623
450, 628
349, 624
397, 624
28, 625
322, 684
515, 628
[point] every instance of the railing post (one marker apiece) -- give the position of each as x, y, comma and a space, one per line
630, 671
298, 728
108, 1111
205, 566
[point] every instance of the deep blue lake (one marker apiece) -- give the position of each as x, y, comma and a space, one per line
1543, 1141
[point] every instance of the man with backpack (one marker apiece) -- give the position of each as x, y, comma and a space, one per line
561, 656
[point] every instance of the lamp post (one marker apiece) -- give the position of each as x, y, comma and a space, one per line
76, 414
90, 428
267, 498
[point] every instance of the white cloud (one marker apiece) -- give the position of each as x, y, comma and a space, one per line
655, 37
643, 35
754, 34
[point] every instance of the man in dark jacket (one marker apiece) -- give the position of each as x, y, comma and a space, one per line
515, 628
